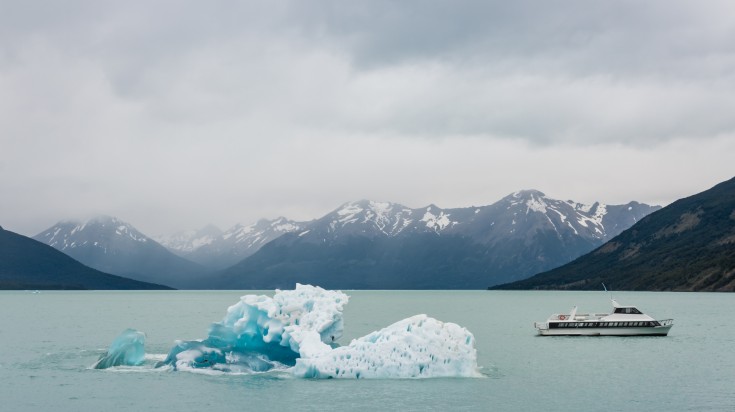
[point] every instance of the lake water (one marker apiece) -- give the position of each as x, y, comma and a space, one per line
50, 339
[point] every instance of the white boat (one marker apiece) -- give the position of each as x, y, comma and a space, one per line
623, 321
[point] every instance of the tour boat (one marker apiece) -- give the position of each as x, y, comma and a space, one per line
623, 321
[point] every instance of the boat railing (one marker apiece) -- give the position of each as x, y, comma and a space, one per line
666, 322
591, 314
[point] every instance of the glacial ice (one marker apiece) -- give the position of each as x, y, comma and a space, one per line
296, 330
265, 332
415, 347
128, 349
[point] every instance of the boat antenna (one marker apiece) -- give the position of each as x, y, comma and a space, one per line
604, 287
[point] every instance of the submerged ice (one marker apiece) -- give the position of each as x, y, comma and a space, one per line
296, 330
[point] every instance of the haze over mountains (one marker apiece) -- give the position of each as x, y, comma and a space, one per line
215, 249
28, 264
110, 245
363, 244
686, 246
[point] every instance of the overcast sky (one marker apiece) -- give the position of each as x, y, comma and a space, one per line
174, 114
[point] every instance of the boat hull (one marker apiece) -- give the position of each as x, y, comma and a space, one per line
632, 331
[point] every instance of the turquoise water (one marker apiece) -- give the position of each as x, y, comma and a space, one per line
50, 339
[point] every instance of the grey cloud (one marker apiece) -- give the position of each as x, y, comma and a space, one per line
243, 110
527, 70
624, 36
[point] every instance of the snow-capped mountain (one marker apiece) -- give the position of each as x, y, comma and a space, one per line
688, 245
388, 245
363, 244
188, 241
379, 219
213, 248
525, 213
519, 214
110, 245
101, 232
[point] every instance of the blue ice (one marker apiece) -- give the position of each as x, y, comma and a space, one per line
296, 331
260, 333
128, 349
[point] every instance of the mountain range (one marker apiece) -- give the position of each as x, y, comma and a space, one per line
363, 244
29, 264
686, 246
380, 245
110, 245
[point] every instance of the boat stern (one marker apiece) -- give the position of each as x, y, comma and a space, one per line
541, 327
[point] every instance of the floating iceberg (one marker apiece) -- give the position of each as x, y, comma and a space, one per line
260, 332
128, 349
417, 347
296, 330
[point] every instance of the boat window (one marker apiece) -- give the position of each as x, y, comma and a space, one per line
630, 311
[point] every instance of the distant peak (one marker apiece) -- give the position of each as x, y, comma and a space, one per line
69, 222
362, 203
365, 204
525, 194
104, 219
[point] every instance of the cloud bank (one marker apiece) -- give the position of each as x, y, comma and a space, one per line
172, 115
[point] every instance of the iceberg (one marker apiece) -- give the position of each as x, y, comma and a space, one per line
128, 349
261, 332
296, 331
416, 347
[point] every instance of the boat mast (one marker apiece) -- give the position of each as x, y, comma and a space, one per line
611, 296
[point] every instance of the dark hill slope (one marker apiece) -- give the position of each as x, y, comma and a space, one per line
686, 246
28, 264
422, 261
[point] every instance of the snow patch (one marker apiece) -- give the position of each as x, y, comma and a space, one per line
437, 223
